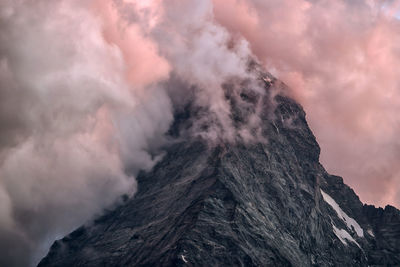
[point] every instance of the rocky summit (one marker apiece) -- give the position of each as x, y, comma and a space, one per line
238, 203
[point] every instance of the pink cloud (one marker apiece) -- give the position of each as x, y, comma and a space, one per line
143, 64
341, 59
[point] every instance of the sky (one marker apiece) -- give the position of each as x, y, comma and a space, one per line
88, 90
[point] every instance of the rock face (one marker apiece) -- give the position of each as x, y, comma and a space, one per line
267, 203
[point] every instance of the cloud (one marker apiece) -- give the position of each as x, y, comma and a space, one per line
204, 55
75, 95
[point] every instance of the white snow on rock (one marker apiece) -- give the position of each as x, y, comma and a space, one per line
370, 232
343, 235
184, 259
350, 222
267, 79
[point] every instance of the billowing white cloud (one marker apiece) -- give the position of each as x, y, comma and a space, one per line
67, 98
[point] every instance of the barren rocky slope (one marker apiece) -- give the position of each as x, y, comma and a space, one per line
266, 203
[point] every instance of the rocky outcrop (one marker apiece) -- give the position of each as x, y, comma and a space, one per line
266, 203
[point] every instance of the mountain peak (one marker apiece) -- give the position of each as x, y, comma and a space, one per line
263, 202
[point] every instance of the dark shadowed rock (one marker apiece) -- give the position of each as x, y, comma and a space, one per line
268, 203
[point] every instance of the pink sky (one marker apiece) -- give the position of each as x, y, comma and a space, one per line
341, 59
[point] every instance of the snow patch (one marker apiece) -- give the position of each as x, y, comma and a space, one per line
184, 259
267, 79
350, 222
343, 235
370, 232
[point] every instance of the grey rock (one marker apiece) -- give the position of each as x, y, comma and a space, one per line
237, 203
